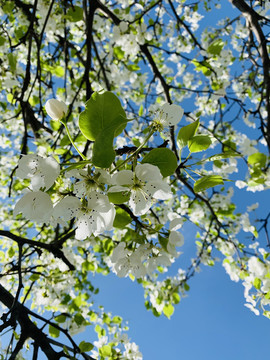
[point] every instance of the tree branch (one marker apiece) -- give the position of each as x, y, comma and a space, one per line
253, 20
54, 248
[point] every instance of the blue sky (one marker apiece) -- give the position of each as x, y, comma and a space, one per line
211, 323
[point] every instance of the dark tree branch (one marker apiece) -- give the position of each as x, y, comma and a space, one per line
28, 328
54, 248
253, 20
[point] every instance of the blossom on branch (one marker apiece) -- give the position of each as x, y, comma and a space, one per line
126, 261
168, 115
144, 184
42, 171
89, 182
175, 238
94, 216
35, 206
56, 109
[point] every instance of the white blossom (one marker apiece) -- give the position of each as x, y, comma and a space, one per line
35, 205
146, 183
88, 181
175, 238
169, 115
56, 109
125, 261
41, 171
257, 267
94, 217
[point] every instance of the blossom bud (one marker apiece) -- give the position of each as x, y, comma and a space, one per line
56, 109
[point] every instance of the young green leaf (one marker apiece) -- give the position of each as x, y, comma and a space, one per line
215, 47
164, 159
207, 182
101, 121
85, 346
75, 13
101, 113
105, 350
219, 157
119, 197
186, 133
121, 219
168, 310
258, 159
199, 143
53, 331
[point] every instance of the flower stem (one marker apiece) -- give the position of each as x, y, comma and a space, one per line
134, 153
72, 142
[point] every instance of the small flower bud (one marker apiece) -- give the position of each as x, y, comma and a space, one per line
56, 109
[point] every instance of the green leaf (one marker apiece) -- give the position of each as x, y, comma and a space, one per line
53, 331
77, 165
267, 314
163, 242
12, 61
186, 133
257, 283
11, 252
34, 277
119, 197
168, 310
222, 156
199, 143
106, 350
207, 182
164, 159
258, 159
2, 40
85, 346
99, 115
75, 13
101, 121
60, 318
59, 71
121, 219
117, 320
176, 298
215, 47
228, 146
202, 66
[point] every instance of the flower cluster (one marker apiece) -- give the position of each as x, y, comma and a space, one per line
90, 206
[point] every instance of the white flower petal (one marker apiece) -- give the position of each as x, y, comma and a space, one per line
84, 226
36, 206
176, 224
67, 208
158, 190
98, 202
104, 177
119, 252
108, 219
123, 177
173, 114
51, 170
139, 202
148, 172
41, 171
27, 165
176, 238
